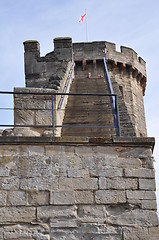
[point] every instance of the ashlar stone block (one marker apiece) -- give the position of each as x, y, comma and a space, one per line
65, 212
78, 183
25, 232
118, 183
107, 172
139, 194
92, 213
16, 198
36, 198
135, 217
84, 197
136, 233
129, 162
24, 117
149, 204
39, 183
43, 117
62, 198
140, 173
110, 197
147, 184
63, 223
17, 214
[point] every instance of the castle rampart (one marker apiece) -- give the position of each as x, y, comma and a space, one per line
54, 185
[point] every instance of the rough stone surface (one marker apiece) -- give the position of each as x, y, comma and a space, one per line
136, 233
16, 198
147, 184
118, 183
69, 191
17, 214
142, 173
110, 197
78, 183
36, 198
154, 233
39, 231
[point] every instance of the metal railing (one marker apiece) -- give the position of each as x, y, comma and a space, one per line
52, 110
66, 85
113, 100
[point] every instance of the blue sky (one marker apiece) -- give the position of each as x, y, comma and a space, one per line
131, 23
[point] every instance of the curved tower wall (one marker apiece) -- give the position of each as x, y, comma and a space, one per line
128, 76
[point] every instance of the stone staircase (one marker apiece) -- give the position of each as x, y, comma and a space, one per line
92, 111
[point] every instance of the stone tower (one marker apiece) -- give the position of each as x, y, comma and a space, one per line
78, 163
127, 73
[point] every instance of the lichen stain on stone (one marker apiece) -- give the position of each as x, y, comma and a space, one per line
120, 150
4, 160
20, 161
73, 162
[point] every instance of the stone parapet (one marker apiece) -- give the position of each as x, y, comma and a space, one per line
47, 71
36, 110
101, 49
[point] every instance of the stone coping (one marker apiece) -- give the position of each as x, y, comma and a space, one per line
124, 141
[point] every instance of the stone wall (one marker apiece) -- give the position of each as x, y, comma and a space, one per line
48, 71
130, 95
77, 188
36, 110
101, 49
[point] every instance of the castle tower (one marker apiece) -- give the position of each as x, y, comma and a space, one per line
127, 73
79, 164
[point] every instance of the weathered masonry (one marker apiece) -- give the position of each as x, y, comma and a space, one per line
78, 163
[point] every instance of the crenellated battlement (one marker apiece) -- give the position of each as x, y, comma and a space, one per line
100, 49
47, 71
127, 59
65, 51
90, 51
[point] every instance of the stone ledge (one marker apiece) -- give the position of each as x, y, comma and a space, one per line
132, 141
124, 141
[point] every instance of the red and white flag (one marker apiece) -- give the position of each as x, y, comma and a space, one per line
82, 17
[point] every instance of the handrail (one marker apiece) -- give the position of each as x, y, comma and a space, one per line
58, 93
109, 84
66, 86
53, 124
114, 100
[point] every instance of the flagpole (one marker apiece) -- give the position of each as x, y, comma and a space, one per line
86, 27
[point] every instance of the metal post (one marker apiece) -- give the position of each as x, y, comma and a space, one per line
53, 126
